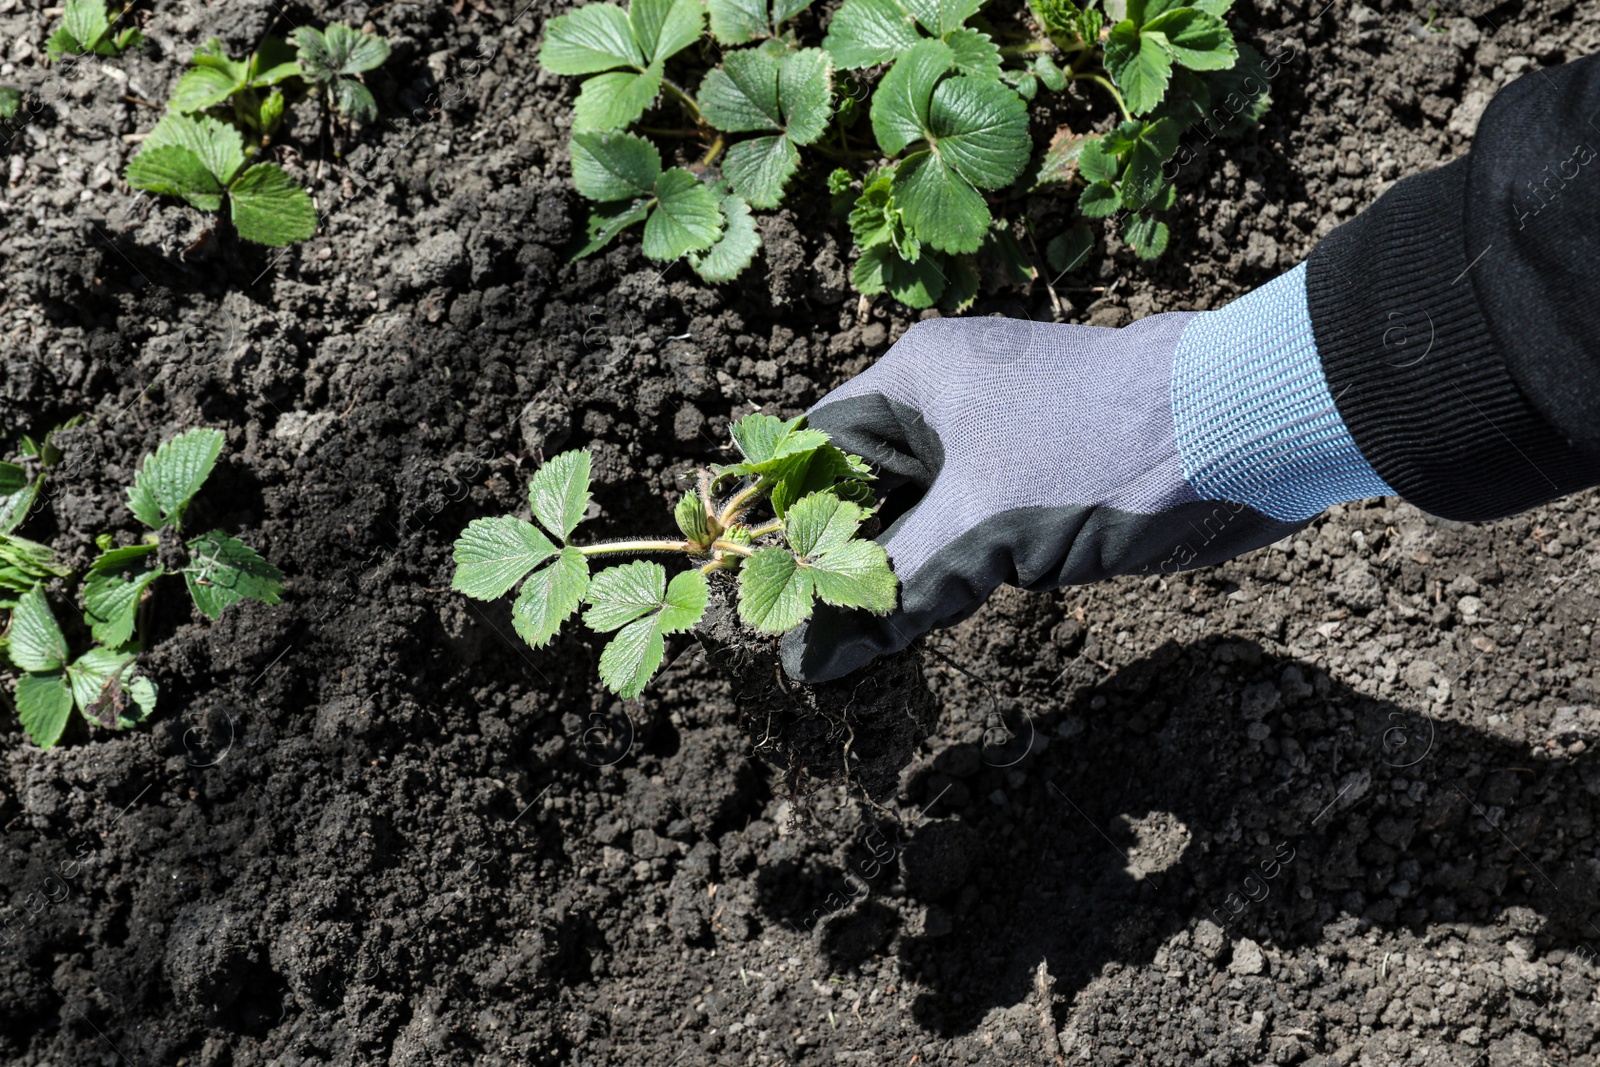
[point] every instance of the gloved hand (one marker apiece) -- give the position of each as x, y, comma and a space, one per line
1048, 454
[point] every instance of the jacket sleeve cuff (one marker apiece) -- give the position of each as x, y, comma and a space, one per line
1253, 416
1413, 365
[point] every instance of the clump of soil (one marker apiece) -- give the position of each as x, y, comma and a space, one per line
861, 730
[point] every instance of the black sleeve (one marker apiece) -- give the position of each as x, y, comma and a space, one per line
1458, 318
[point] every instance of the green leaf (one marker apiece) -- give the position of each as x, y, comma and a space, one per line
900, 105
939, 205
15, 505
202, 87
962, 288
1218, 8
352, 99
864, 33
173, 171
742, 94
784, 10
764, 440
1070, 250
215, 57
690, 515
355, 51
60, 43
550, 596
774, 591
609, 220
30, 560
277, 60
1142, 177
855, 575
218, 145
665, 27
269, 208
883, 269
93, 673
1195, 39
86, 21
943, 17
559, 492
1058, 17
976, 53
614, 166
10, 101
1096, 164
820, 523
35, 640
170, 476
611, 101
759, 168
1098, 200
494, 554
111, 603
272, 106
12, 477
618, 595
1140, 66
874, 219
44, 703
980, 128
223, 570
738, 21
735, 249
822, 470
687, 218
805, 92
1147, 237
650, 607
593, 38
1050, 75
116, 559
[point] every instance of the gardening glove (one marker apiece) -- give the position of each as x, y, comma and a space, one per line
1044, 454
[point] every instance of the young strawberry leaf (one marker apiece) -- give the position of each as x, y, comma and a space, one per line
1146, 236
690, 515
16, 499
774, 591
826, 469
1145, 148
269, 208
111, 601
550, 596
612, 100
35, 641
44, 704
494, 554
976, 131
738, 21
756, 91
218, 145
637, 598
223, 570
974, 52
609, 220
844, 572
864, 33
1194, 38
1061, 157
173, 171
765, 440
169, 477
616, 166
1140, 65
735, 249
593, 38
600, 37
687, 216
915, 283
1070, 250
338, 49
1098, 200
559, 492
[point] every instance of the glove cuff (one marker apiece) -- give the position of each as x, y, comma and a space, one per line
1252, 414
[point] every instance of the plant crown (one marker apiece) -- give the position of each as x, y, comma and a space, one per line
807, 547
946, 139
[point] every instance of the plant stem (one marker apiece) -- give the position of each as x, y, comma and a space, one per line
729, 546
633, 546
1032, 47
714, 151
736, 504
683, 98
769, 528
1112, 89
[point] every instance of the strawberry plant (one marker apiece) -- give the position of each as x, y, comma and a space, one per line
224, 112
103, 683
803, 546
86, 30
946, 144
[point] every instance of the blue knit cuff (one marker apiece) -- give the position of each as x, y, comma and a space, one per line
1254, 420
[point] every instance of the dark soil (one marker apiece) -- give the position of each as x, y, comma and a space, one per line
1331, 803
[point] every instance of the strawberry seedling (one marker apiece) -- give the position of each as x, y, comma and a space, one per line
103, 683
86, 30
804, 546
949, 139
330, 59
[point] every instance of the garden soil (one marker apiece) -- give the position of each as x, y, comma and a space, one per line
1334, 802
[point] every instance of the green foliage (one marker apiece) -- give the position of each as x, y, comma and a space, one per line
102, 684
949, 134
10, 101
86, 29
808, 549
331, 58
